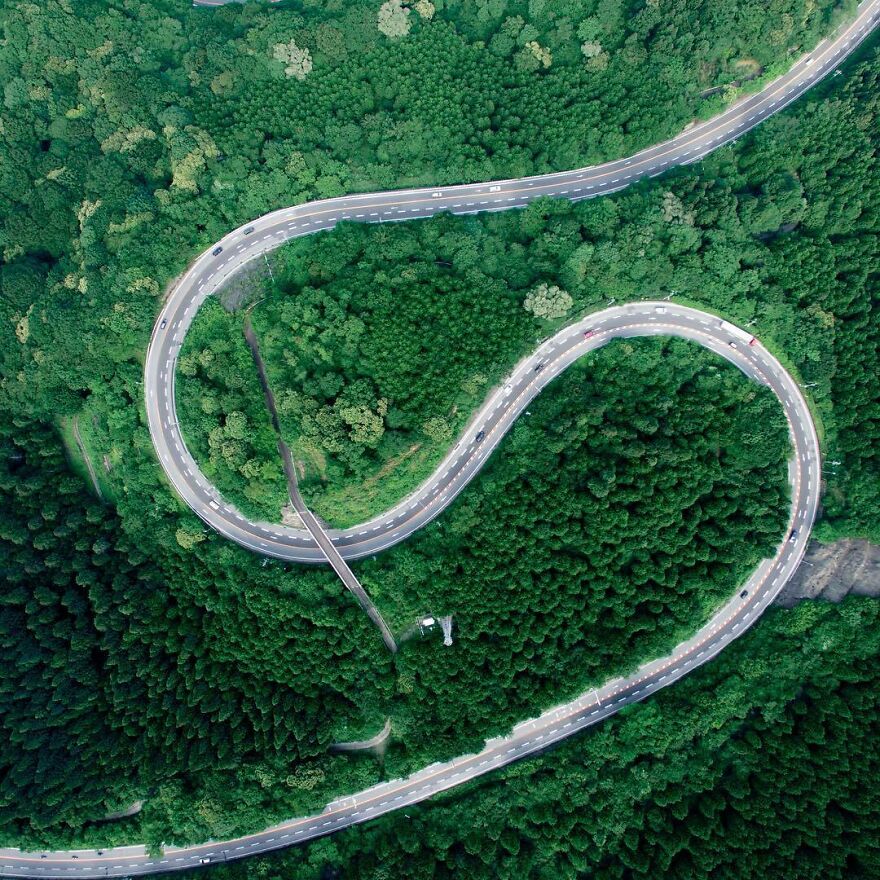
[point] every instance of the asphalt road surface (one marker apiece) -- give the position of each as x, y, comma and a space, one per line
534, 735
492, 420
210, 270
251, 241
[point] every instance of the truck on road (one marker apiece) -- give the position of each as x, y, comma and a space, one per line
734, 331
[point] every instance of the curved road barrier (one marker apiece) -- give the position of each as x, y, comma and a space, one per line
241, 246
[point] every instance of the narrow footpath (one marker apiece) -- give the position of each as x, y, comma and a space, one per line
86, 457
375, 743
309, 520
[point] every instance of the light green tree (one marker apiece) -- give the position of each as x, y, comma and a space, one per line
298, 60
595, 56
188, 538
394, 19
548, 301
366, 426
438, 429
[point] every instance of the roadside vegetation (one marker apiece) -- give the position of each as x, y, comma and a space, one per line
761, 764
161, 664
224, 418
537, 87
381, 341
379, 357
146, 657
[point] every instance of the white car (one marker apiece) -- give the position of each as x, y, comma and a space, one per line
494, 189
436, 195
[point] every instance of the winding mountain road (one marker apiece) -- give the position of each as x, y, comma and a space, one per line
268, 232
464, 460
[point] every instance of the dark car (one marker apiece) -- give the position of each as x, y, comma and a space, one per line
539, 368
248, 231
480, 435
217, 251
743, 594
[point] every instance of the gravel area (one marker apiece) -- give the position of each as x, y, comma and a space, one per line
833, 571
246, 286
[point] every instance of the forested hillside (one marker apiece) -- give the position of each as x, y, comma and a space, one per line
380, 341
762, 764
145, 657
634, 499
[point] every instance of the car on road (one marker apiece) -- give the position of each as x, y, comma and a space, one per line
539, 367
205, 860
793, 536
436, 195
217, 251
162, 323
743, 594
589, 333
494, 189
732, 344
248, 231
660, 310
480, 435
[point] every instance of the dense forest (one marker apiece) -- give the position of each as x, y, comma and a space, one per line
644, 485
224, 418
762, 764
142, 650
380, 341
